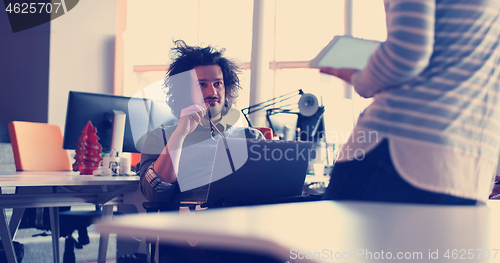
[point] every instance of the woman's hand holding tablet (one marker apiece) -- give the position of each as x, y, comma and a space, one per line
345, 52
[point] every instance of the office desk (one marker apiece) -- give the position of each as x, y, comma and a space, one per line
327, 231
21, 190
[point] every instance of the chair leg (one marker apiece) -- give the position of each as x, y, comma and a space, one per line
150, 252
69, 250
83, 236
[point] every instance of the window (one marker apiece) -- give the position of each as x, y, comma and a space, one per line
297, 30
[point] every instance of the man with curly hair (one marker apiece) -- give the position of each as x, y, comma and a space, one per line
201, 86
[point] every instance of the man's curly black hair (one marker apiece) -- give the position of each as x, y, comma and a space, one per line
185, 58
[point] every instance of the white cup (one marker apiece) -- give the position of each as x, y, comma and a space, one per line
125, 165
112, 163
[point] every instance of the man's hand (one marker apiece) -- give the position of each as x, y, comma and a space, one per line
190, 118
342, 73
167, 164
495, 193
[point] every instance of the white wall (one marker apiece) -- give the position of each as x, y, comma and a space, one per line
82, 46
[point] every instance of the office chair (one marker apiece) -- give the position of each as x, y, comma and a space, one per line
38, 147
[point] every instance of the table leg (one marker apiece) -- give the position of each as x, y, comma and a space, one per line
15, 220
107, 213
54, 228
7, 239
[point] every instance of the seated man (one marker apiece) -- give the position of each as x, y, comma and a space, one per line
202, 86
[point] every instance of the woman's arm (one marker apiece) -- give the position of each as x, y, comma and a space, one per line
407, 50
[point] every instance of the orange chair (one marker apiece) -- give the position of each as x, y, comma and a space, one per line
38, 147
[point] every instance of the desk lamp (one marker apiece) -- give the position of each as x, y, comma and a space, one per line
307, 105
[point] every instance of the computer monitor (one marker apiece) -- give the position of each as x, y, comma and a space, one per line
283, 123
312, 128
99, 110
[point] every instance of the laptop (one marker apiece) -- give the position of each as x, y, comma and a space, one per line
262, 171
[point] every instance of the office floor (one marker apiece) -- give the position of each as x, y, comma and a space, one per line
39, 249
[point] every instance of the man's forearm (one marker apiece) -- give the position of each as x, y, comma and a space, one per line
167, 164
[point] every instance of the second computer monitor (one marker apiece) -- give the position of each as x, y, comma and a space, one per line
98, 109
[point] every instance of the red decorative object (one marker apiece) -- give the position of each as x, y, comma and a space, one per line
88, 150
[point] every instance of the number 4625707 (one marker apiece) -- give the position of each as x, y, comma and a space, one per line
31, 8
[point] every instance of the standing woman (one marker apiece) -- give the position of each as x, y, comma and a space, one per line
432, 133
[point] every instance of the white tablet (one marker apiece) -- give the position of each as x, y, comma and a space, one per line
345, 52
